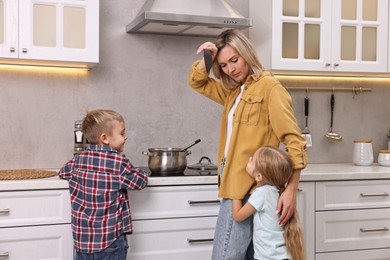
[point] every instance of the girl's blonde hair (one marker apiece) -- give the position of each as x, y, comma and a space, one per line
99, 121
276, 168
244, 48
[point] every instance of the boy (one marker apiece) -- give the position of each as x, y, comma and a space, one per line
98, 181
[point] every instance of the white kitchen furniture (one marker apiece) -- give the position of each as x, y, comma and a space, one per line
321, 35
173, 222
35, 225
49, 32
353, 216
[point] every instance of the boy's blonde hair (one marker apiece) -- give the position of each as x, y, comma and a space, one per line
276, 168
99, 121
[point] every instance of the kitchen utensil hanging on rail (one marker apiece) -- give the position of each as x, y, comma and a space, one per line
331, 135
306, 132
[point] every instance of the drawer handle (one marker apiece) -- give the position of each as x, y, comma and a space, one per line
384, 194
374, 229
4, 211
300, 189
199, 240
202, 202
5, 254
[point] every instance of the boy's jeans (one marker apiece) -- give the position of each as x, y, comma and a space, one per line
116, 251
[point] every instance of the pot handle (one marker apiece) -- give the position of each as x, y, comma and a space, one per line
188, 152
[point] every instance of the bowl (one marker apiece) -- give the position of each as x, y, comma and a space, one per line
384, 158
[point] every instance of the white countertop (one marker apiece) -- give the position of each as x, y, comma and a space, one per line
313, 172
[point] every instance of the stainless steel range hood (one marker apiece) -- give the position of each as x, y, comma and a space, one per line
187, 17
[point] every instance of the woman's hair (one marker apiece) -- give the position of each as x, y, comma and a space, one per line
243, 46
99, 121
276, 168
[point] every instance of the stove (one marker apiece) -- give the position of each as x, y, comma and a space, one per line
187, 172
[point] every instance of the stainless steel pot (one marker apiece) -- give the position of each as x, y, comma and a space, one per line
165, 161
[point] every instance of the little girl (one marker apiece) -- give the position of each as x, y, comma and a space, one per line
271, 168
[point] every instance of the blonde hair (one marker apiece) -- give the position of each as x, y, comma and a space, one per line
276, 168
99, 121
244, 48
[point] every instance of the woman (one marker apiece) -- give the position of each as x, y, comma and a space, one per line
257, 112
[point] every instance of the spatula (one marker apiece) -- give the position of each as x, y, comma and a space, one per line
306, 132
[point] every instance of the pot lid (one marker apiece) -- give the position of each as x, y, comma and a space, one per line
203, 166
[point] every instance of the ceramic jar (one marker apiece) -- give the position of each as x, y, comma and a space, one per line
384, 158
362, 152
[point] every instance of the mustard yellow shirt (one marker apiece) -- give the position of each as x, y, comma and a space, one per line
264, 116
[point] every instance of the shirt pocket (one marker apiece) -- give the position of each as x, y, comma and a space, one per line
249, 109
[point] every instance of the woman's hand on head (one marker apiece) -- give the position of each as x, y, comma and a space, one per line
210, 46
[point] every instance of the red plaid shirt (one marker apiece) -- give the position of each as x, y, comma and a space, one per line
98, 181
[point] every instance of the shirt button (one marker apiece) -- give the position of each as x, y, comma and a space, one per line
250, 99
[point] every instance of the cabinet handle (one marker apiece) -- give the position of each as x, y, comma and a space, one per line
300, 189
201, 202
4, 211
24, 50
5, 254
12, 49
327, 64
384, 194
199, 240
374, 229
336, 65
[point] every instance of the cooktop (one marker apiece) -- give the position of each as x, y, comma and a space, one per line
187, 172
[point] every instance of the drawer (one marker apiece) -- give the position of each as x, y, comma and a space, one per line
174, 201
52, 242
352, 194
352, 229
377, 254
21, 208
173, 239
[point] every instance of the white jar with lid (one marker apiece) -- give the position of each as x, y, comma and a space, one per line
384, 158
362, 153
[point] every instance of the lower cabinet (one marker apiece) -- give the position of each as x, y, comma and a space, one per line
35, 224
352, 220
173, 239
173, 222
52, 242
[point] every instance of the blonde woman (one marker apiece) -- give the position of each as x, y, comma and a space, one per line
257, 111
271, 169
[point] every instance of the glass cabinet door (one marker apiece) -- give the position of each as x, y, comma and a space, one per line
360, 32
301, 27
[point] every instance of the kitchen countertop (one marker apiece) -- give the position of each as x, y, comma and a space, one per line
313, 172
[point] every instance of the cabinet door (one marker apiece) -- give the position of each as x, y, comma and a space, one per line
22, 208
301, 34
305, 207
352, 230
59, 30
174, 202
9, 28
173, 239
53, 242
377, 254
359, 35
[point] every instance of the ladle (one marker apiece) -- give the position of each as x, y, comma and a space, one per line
331, 135
197, 141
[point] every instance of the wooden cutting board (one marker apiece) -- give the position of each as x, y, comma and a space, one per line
24, 174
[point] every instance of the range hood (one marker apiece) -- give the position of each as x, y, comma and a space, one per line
187, 17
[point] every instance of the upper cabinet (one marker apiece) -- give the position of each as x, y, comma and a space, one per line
321, 35
49, 32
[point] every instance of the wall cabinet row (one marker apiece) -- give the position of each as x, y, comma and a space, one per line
49, 32
322, 35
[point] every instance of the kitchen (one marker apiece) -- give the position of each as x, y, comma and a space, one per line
144, 77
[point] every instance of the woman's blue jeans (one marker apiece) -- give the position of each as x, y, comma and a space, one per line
232, 240
116, 251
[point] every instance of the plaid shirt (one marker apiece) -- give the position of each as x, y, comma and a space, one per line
98, 181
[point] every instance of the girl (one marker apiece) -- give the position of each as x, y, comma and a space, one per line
271, 169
